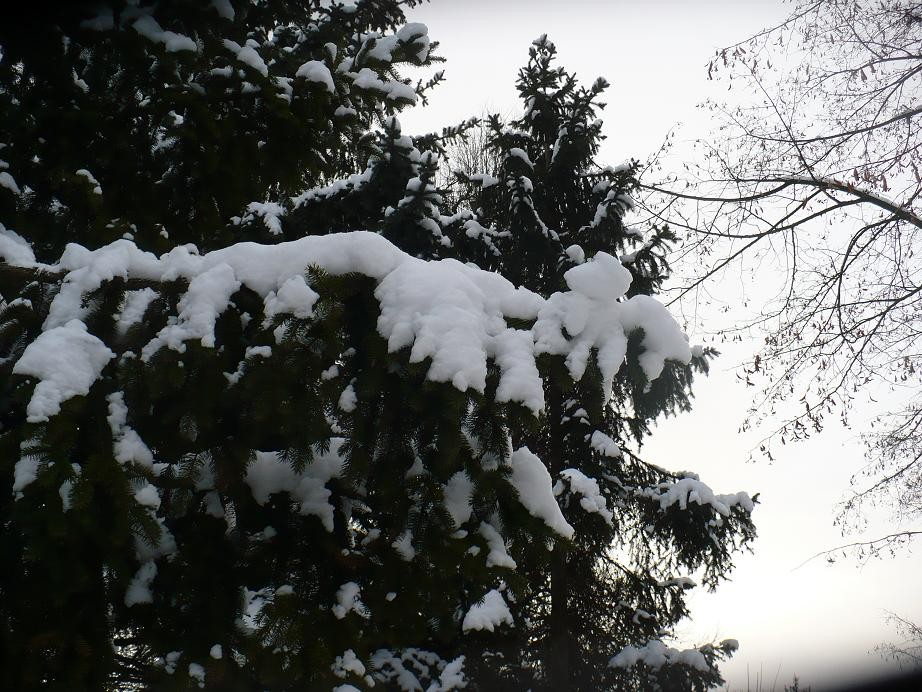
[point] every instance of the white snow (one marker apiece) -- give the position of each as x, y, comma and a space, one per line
7, 181
686, 490
663, 339
532, 481
454, 314
64, 491
602, 278
604, 445
139, 588
484, 179
133, 308
84, 173
404, 546
348, 400
348, 601
148, 27
411, 32
330, 373
267, 475
166, 544
518, 153
260, 351
655, 654
223, 8
353, 182
497, 555
148, 497
207, 297
294, 297
81, 84
14, 249
317, 71
248, 56
270, 212
594, 319
410, 669
457, 494
592, 499
576, 254
451, 314
66, 361
25, 471
489, 614
216, 652
393, 89
127, 445
197, 672
348, 663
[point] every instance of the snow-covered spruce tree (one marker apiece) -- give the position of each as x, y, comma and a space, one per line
592, 612
597, 607
134, 498
251, 101
287, 465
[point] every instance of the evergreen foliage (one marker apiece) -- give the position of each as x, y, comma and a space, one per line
331, 458
616, 581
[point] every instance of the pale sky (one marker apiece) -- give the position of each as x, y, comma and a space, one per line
819, 621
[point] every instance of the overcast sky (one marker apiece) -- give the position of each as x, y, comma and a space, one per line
818, 621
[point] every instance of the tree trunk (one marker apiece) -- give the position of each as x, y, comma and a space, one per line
558, 644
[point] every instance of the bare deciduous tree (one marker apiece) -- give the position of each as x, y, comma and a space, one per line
822, 170
907, 652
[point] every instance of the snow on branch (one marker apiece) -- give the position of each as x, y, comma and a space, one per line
454, 316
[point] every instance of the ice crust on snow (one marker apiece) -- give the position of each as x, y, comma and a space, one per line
489, 614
